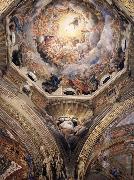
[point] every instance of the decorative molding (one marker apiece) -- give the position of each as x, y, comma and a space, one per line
119, 109
4, 4
128, 5
44, 142
33, 126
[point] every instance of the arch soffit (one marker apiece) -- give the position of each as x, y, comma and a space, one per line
26, 128
119, 110
122, 141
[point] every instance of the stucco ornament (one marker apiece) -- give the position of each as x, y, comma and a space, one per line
81, 166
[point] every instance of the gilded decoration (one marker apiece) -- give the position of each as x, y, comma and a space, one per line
38, 98
20, 119
114, 143
25, 124
23, 121
117, 111
3, 47
4, 4
128, 5
17, 80
116, 140
17, 155
22, 135
43, 140
66, 86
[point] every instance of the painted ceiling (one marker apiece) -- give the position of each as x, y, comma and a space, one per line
41, 132
70, 47
128, 4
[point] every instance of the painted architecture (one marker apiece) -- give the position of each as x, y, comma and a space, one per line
67, 90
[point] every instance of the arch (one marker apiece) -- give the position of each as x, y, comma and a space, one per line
31, 129
119, 110
115, 153
13, 155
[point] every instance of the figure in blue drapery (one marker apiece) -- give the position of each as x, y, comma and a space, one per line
29, 160
52, 84
16, 21
115, 172
31, 177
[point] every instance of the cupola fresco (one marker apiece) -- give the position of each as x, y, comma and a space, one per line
66, 90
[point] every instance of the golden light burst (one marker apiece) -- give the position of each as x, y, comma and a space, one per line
69, 26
